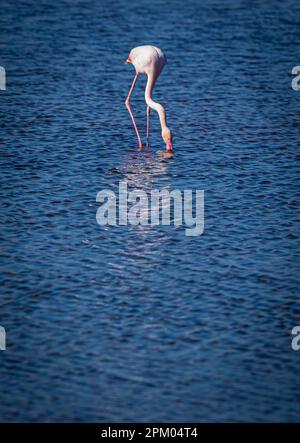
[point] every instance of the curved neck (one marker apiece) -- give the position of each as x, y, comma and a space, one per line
154, 105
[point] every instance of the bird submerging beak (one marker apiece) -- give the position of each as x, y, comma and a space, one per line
167, 138
169, 146
149, 60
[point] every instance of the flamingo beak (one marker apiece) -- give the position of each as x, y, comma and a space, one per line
169, 146
127, 61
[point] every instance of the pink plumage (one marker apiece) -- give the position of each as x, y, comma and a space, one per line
149, 60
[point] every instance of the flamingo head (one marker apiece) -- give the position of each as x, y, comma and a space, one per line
167, 138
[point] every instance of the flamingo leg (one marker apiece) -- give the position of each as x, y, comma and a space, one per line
127, 103
148, 126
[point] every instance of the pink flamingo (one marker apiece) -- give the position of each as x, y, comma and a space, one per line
149, 60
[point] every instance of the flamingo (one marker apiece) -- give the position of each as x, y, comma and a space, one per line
149, 60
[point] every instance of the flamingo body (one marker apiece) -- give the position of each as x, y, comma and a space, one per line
149, 60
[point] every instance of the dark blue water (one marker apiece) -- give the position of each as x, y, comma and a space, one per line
146, 324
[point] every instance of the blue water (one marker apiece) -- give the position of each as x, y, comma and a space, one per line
147, 324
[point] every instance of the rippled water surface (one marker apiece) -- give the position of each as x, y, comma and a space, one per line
146, 324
